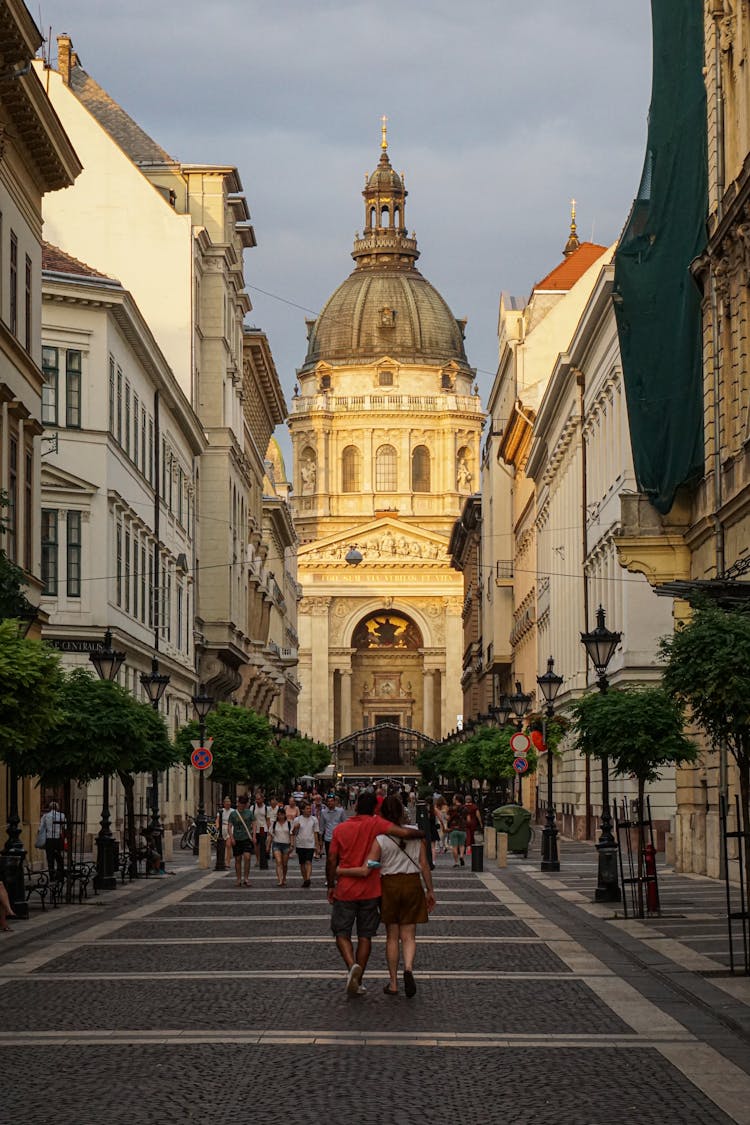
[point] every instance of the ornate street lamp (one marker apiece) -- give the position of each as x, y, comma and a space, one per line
549, 685
107, 662
155, 684
202, 704
520, 704
600, 645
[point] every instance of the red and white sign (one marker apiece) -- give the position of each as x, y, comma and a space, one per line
201, 757
520, 743
520, 765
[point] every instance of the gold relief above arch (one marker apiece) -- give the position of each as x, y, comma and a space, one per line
388, 629
387, 607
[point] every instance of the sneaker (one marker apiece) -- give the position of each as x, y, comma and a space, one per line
462, 862
306, 883
352, 981
361, 990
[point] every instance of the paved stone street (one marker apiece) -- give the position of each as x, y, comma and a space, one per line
188, 998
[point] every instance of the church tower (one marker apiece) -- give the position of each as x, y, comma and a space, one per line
386, 435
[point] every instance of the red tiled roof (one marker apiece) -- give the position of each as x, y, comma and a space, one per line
572, 269
56, 260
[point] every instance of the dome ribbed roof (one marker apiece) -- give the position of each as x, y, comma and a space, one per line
393, 312
385, 179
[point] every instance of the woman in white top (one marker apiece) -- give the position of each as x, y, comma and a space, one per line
222, 825
280, 840
403, 865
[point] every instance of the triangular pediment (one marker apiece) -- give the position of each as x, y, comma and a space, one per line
59, 482
384, 541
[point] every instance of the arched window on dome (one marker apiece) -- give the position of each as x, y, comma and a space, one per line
385, 216
373, 216
397, 217
420, 469
386, 469
351, 469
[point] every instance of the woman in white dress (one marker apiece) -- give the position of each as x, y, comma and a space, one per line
222, 825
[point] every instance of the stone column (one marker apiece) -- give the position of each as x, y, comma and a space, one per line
346, 701
428, 704
328, 721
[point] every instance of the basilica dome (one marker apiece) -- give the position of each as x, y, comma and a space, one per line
392, 312
385, 307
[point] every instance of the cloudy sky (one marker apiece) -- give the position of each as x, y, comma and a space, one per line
499, 113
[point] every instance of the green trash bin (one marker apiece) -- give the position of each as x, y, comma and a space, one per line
515, 821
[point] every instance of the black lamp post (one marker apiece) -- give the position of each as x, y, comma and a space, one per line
520, 703
202, 704
13, 855
155, 684
107, 663
549, 684
600, 645
500, 712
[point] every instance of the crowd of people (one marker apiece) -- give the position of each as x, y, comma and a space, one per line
378, 862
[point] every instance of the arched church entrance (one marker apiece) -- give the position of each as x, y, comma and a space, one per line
387, 673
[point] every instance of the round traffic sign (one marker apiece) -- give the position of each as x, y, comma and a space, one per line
201, 758
520, 765
520, 743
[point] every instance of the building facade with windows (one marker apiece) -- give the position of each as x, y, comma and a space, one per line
175, 235
36, 158
120, 451
385, 429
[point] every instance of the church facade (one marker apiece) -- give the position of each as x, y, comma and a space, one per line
386, 427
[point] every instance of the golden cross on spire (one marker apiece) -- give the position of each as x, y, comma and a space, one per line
384, 132
572, 214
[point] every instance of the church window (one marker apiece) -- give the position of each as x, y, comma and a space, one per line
420, 469
386, 466
397, 217
351, 469
325, 382
385, 216
385, 378
373, 216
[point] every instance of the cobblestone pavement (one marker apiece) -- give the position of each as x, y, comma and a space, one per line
184, 999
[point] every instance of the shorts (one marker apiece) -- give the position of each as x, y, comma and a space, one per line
281, 847
364, 911
456, 839
305, 855
242, 847
403, 900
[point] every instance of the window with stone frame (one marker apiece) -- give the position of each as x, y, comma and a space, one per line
386, 469
73, 560
49, 551
51, 372
351, 469
73, 388
420, 469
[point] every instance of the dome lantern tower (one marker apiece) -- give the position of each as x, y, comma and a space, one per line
384, 242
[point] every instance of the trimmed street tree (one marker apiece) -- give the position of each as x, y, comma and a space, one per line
244, 749
302, 756
641, 729
708, 668
30, 680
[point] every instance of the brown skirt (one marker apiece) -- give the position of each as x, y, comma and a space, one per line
403, 900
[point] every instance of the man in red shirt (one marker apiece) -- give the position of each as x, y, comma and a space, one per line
358, 899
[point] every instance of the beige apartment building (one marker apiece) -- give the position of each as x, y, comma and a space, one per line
386, 427
174, 234
705, 534
38, 158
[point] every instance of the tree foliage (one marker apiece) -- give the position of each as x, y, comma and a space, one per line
708, 669
484, 755
100, 728
303, 756
30, 679
641, 729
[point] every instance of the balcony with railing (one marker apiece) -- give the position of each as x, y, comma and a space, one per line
380, 403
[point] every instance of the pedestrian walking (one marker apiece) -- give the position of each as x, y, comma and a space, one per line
441, 812
357, 900
280, 843
404, 902
222, 827
457, 830
331, 816
292, 809
51, 836
306, 833
261, 823
473, 821
241, 824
